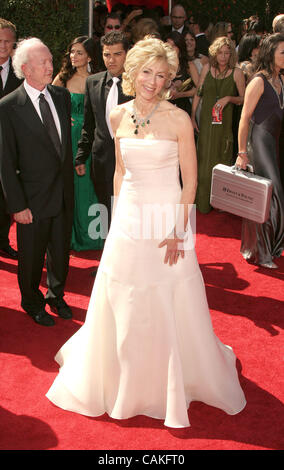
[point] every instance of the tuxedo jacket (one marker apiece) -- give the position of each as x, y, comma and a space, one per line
202, 44
33, 175
12, 81
95, 136
168, 29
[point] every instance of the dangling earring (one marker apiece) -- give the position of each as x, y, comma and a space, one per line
89, 67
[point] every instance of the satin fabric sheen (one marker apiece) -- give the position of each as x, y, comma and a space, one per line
263, 242
147, 346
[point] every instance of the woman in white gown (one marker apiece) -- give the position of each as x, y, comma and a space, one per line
147, 346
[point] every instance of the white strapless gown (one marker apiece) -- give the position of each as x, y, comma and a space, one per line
147, 346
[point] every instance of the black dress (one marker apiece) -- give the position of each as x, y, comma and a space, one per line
262, 242
184, 102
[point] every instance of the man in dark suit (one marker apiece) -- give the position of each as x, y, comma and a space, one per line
96, 135
199, 26
36, 170
178, 21
8, 83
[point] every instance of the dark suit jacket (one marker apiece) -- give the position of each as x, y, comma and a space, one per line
12, 81
33, 175
95, 135
168, 29
202, 44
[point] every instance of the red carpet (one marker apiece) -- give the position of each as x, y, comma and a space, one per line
247, 310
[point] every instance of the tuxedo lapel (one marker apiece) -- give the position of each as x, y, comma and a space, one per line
27, 112
102, 95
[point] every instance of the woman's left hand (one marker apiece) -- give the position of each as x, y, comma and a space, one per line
173, 251
221, 103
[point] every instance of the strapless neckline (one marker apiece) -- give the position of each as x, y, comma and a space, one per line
148, 140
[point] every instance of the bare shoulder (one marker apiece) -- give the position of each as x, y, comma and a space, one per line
179, 119
205, 68
120, 110
57, 81
238, 72
117, 113
256, 83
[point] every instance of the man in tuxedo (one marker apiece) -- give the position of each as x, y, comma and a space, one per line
36, 171
96, 137
178, 18
8, 83
199, 26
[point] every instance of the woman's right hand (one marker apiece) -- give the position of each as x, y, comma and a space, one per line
242, 162
80, 169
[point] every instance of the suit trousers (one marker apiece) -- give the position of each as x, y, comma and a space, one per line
5, 221
50, 236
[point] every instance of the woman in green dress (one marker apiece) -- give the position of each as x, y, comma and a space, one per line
221, 86
77, 65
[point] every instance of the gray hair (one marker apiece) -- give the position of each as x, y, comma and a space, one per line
21, 54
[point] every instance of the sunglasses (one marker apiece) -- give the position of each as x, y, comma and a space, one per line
116, 26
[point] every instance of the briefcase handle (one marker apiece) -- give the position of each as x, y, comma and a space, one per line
249, 169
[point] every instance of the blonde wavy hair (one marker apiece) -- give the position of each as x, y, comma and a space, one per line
144, 52
215, 47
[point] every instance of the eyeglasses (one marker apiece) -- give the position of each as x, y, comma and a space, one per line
230, 32
110, 26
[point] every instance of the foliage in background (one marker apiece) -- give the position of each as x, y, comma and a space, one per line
235, 10
58, 22
55, 22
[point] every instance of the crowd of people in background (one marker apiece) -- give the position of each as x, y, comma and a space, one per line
216, 65
140, 113
217, 61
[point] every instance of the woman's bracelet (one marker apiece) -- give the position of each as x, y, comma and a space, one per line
240, 154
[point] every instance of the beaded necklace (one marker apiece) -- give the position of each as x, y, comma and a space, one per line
142, 121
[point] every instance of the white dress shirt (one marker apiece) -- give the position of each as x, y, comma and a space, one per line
34, 96
5, 72
180, 30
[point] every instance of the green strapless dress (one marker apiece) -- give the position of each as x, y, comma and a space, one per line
85, 195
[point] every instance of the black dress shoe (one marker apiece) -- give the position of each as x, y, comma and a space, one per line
42, 318
9, 252
60, 307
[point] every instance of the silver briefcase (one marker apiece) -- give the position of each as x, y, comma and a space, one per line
241, 192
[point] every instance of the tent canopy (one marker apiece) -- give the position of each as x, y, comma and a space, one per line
143, 3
